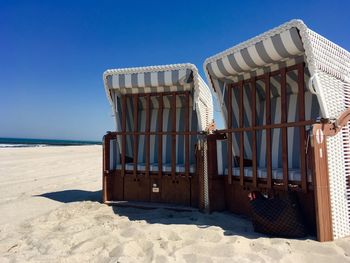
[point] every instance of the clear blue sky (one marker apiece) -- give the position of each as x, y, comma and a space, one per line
53, 53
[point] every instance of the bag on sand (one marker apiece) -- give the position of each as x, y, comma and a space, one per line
279, 216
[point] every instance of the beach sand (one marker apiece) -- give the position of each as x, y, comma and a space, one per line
50, 211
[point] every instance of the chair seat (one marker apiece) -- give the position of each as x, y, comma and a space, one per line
277, 173
153, 167
180, 168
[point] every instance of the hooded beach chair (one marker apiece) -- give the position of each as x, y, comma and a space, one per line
285, 99
159, 113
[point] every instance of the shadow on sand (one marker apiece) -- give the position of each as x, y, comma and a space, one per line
69, 196
231, 224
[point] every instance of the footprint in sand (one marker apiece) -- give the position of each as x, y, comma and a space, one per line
87, 246
146, 246
132, 249
344, 245
169, 235
132, 232
117, 251
196, 258
253, 257
316, 247
103, 218
25, 228
205, 235
160, 259
124, 224
208, 250
163, 244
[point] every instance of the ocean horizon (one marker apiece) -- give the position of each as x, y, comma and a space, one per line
28, 142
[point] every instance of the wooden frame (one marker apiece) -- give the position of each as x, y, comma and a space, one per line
320, 132
175, 184
254, 153
321, 186
241, 134
301, 124
268, 132
313, 196
116, 182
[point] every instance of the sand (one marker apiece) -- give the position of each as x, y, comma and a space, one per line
50, 211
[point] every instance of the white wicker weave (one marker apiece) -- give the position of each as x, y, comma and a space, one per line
329, 66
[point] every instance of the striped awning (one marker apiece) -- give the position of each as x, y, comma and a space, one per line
146, 80
264, 53
160, 79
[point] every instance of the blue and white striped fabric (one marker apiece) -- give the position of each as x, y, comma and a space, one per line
274, 49
277, 173
167, 143
265, 53
146, 82
312, 111
159, 79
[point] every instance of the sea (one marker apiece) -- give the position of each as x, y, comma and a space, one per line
21, 142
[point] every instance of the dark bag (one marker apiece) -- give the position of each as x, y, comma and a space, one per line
279, 216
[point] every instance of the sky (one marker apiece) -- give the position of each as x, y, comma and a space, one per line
53, 53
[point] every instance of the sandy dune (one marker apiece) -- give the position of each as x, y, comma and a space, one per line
50, 212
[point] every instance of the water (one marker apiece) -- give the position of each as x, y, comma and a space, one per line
20, 142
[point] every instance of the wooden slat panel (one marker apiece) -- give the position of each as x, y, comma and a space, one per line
199, 178
301, 99
241, 122
321, 187
268, 132
284, 108
160, 137
106, 152
135, 102
247, 129
148, 137
229, 134
176, 132
272, 126
187, 137
254, 153
105, 168
173, 139
123, 135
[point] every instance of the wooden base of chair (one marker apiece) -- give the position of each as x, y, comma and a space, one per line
178, 190
151, 205
234, 198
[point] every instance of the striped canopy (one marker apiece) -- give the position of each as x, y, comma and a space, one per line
273, 49
150, 81
158, 79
